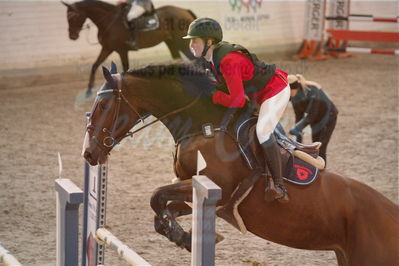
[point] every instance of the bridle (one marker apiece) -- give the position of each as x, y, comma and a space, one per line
111, 140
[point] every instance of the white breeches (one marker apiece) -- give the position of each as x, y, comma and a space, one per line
135, 12
270, 113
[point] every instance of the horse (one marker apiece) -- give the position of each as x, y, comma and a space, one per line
113, 34
335, 213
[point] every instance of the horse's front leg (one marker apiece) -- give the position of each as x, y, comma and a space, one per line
164, 220
124, 59
101, 58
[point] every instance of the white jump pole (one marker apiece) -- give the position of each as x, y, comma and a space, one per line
105, 236
7, 258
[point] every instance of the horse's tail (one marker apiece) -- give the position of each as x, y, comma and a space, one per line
191, 13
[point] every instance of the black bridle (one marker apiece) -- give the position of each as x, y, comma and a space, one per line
111, 140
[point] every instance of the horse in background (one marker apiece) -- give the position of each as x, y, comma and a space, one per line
113, 33
334, 213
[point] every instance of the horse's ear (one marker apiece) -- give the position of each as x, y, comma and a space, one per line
107, 75
65, 4
113, 68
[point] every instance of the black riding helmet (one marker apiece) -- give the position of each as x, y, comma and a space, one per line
205, 28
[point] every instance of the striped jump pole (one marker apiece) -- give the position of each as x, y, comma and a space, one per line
335, 45
364, 50
7, 259
359, 17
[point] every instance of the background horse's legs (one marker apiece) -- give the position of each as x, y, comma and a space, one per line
173, 49
164, 220
123, 54
101, 57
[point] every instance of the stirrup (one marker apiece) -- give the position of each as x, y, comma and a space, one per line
275, 192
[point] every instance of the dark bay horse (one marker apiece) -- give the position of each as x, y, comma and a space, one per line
113, 34
334, 213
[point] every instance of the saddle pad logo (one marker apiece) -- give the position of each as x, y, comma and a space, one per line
300, 172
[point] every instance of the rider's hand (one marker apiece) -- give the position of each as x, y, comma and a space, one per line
298, 134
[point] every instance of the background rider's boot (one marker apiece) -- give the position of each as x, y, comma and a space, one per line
275, 188
133, 40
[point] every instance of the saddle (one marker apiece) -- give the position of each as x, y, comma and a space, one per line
147, 22
298, 160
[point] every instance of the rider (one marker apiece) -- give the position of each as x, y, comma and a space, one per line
313, 107
137, 8
244, 75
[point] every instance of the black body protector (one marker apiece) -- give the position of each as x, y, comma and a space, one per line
262, 72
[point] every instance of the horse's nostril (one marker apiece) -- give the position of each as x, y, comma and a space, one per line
87, 155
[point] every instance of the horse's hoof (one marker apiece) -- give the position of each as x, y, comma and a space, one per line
88, 93
219, 238
185, 241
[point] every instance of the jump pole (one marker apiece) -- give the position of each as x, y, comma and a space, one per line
6, 258
359, 17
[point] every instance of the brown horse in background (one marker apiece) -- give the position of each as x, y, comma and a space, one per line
113, 34
334, 213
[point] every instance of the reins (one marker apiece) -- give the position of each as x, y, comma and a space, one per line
130, 133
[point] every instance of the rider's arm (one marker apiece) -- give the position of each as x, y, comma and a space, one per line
235, 68
309, 114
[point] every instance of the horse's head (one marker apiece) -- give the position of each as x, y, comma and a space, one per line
111, 118
76, 18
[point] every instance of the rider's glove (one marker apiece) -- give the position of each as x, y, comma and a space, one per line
298, 134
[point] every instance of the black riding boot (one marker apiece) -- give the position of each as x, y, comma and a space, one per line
133, 41
275, 188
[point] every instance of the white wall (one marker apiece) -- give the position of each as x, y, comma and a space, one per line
35, 33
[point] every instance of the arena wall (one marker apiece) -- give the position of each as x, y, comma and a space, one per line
35, 33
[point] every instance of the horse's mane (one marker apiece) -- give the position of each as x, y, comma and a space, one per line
191, 76
101, 4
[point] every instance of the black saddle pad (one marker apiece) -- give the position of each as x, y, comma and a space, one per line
300, 172
295, 171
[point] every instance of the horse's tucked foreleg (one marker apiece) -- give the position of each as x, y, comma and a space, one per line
164, 220
179, 208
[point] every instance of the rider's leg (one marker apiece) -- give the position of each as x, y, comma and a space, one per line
270, 113
134, 12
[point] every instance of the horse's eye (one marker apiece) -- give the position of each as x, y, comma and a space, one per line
104, 106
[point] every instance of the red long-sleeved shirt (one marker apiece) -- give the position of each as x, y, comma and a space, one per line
235, 68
